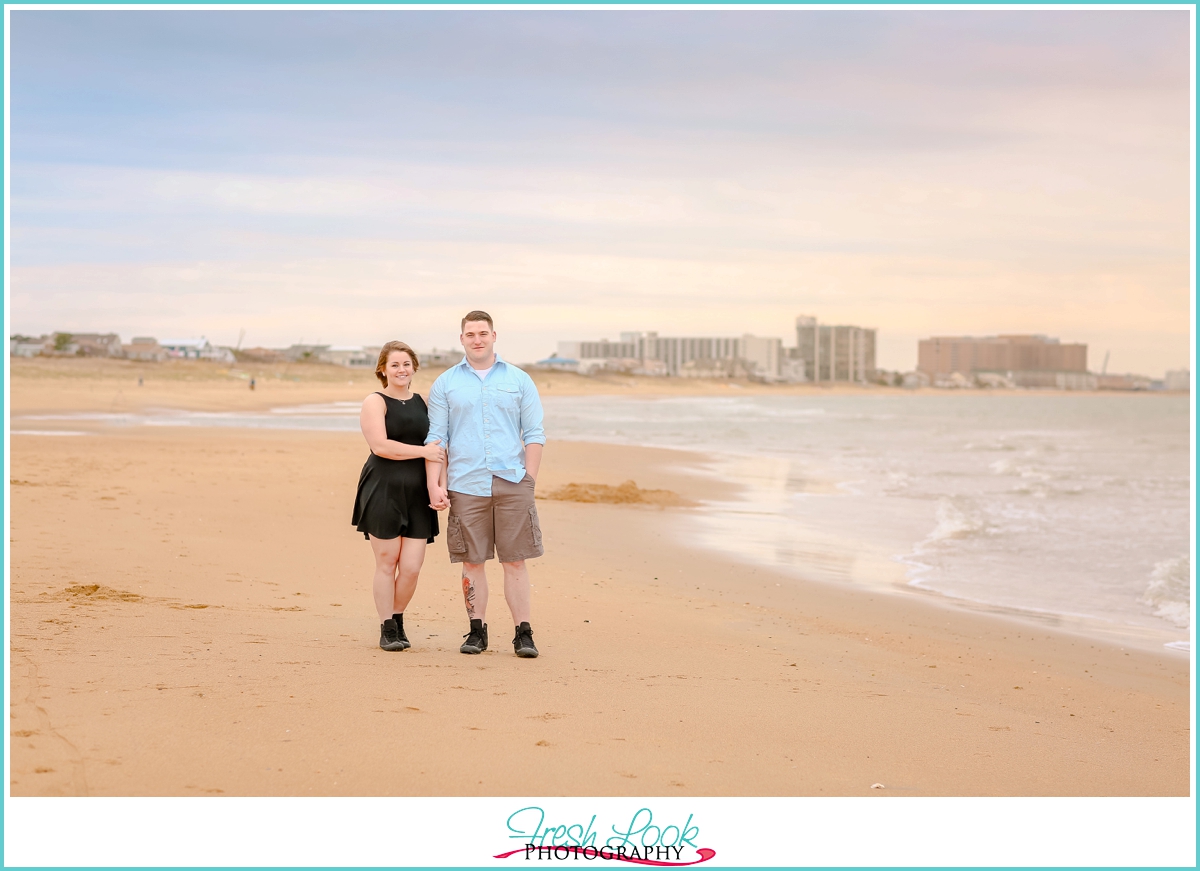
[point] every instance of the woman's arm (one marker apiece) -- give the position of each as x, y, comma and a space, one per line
435, 477
374, 430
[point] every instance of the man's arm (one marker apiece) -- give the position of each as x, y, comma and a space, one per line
532, 433
439, 415
533, 459
439, 426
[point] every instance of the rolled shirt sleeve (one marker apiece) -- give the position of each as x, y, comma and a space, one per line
439, 413
531, 413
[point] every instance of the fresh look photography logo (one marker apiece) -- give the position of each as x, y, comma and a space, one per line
644, 840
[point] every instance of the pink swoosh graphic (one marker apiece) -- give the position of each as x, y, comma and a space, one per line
705, 855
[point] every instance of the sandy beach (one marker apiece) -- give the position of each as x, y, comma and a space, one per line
190, 615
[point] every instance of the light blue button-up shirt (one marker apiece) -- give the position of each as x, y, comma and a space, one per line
484, 425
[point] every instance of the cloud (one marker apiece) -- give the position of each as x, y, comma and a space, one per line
715, 171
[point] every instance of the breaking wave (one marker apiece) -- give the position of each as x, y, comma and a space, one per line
1169, 590
954, 522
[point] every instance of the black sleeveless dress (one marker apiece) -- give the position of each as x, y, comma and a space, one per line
393, 500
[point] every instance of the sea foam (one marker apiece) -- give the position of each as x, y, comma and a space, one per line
954, 522
1169, 590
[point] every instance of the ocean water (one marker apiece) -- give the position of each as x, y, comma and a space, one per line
1071, 510
1065, 510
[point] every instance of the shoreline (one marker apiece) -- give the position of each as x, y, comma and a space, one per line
1085, 626
709, 466
1120, 635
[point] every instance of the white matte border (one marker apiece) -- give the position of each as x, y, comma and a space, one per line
364, 832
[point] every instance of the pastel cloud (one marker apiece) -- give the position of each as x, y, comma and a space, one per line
294, 173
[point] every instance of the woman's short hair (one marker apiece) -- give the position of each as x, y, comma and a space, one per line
386, 351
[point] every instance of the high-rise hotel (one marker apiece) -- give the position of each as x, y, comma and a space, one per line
822, 353
681, 355
1024, 360
834, 353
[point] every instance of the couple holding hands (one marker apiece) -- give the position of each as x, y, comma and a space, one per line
474, 448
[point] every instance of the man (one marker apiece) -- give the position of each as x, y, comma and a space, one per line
488, 416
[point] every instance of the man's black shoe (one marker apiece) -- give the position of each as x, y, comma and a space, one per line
476, 639
399, 618
523, 643
389, 636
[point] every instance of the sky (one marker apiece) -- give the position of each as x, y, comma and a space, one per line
350, 177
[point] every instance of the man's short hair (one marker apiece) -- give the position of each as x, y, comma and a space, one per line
476, 316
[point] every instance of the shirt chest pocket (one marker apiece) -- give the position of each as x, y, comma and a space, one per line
506, 398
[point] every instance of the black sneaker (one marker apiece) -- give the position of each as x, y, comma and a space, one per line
476, 639
399, 618
523, 642
389, 636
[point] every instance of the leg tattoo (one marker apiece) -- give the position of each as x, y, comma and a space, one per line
469, 596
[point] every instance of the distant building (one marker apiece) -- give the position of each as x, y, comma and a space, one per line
1022, 360
447, 358
196, 349
144, 348
97, 344
305, 353
29, 346
676, 353
1178, 379
652, 354
601, 350
354, 357
557, 363
762, 356
834, 353
62, 344
714, 367
1124, 382
1059, 380
792, 369
262, 355
187, 349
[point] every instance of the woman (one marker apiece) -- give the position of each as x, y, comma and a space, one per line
392, 508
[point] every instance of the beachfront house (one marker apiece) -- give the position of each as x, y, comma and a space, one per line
352, 356
145, 348
28, 346
97, 344
301, 353
556, 363
196, 349
435, 357
62, 344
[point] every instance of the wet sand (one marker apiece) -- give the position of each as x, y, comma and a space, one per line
191, 615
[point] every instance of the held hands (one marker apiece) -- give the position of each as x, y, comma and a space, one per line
434, 452
438, 500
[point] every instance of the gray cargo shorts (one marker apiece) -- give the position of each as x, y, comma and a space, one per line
506, 521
